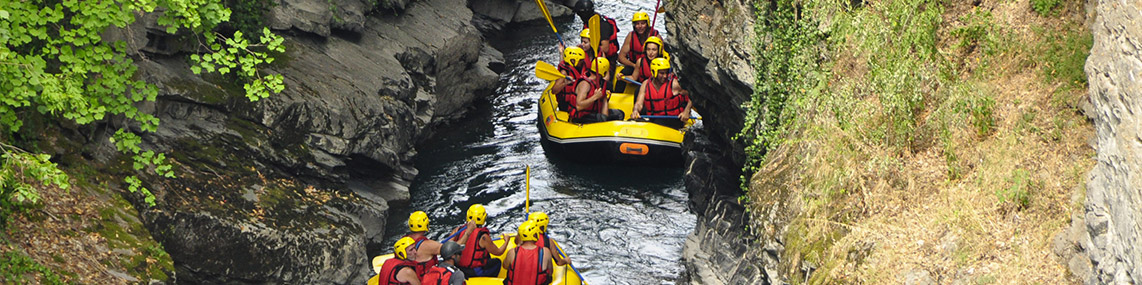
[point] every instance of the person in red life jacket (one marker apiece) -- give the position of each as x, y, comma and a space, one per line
446, 273
590, 103
609, 37
545, 241
476, 259
642, 70
572, 66
426, 249
528, 263
662, 96
633, 48
399, 269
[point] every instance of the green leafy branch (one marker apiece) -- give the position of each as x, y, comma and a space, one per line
53, 60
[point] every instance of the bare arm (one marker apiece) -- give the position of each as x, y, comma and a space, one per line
638, 101
408, 275
509, 258
559, 258
547, 262
486, 242
637, 71
583, 96
626, 50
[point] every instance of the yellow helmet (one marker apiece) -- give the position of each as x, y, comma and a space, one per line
540, 219
400, 249
640, 16
601, 65
658, 64
586, 33
418, 222
528, 231
656, 40
477, 214
573, 55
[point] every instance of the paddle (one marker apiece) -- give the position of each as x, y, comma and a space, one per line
560, 249
548, 72
527, 185
656, 11
547, 15
632, 81
596, 28
665, 117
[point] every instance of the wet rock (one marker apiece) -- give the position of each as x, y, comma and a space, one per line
494, 15
710, 44
363, 85
1109, 239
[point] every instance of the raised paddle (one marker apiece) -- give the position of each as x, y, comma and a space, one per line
596, 28
657, 6
548, 72
547, 15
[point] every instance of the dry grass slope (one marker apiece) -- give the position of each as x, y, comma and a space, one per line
947, 145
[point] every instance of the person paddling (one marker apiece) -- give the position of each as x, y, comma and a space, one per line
426, 249
528, 264
572, 66
541, 221
642, 70
446, 273
633, 48
590, 102
663, 96
399, 270
476, 259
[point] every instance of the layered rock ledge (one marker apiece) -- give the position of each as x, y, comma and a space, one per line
1108, 237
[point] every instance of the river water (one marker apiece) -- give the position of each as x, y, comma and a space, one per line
619, 224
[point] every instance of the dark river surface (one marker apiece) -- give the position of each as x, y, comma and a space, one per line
619, 224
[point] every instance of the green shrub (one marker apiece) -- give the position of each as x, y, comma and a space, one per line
981, 110
15, 266
1018, 195
1066, 55
1044, 7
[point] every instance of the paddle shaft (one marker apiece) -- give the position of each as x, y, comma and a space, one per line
543, 8
656, 5
664, 117
560, 250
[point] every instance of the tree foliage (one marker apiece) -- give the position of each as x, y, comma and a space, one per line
54, 61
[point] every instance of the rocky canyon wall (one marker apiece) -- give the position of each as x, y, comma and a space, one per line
1111, 236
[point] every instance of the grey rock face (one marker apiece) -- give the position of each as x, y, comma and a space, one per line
710, 43
710, 48
1114, 193
363, 85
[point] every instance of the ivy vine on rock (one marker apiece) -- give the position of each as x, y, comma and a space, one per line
54, 61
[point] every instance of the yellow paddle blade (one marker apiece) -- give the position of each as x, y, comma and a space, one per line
546, 14
546, 71
596, 33
661, 9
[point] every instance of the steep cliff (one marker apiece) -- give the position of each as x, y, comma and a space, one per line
295, 187
711, 44
1113, 218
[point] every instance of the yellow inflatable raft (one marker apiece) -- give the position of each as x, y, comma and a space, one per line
615, 141
561, 275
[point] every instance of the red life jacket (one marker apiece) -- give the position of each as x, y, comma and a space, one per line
643, 69
604, 20
390, 269
527, 269
438, 275
595, 108
542, 241
638, 45
569, 90
422, 267
661, 101
474, 255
